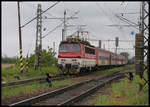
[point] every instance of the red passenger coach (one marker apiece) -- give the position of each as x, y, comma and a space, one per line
104, 57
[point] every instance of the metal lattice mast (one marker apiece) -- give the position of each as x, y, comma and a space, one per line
38, 47
145, 31
142, 44
65, 27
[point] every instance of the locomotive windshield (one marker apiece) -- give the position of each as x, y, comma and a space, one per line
63, 48
74, 47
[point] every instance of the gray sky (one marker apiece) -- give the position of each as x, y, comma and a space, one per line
96, 15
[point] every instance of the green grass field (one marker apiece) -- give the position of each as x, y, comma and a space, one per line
124, 93
33, 87
8, 92
9, 73
106, 71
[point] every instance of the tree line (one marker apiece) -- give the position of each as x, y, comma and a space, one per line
9, 60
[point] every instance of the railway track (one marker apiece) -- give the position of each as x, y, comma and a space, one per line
40, 79
71, 94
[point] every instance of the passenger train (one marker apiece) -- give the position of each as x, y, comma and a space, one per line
76, 55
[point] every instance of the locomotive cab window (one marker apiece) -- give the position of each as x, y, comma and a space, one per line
74, 47
63, 48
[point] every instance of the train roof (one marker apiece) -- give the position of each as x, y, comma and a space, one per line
77, 40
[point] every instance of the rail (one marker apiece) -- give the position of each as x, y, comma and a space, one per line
60, 93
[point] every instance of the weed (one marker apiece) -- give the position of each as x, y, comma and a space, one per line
124, 93
8, 92
9, 73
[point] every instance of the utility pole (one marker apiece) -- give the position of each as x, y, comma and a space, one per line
100, 44
142, 44
65, 27
103, 46
20, 39
64, 30
108, 45
53, 53
80, 30
64, 34
38, 47
141, 41
116, 44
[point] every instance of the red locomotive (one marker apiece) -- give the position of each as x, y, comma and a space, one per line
76, 55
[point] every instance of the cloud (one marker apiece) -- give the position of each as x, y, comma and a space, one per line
95, 17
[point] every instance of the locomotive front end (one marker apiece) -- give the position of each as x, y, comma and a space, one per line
69, 58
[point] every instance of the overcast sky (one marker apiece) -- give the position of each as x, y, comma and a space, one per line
96, 15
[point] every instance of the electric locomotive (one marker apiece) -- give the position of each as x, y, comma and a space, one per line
74, 55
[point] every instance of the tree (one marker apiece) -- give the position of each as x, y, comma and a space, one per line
126, 54
47, 58
9, 60
132, 60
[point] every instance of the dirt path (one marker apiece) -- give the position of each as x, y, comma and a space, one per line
4, 66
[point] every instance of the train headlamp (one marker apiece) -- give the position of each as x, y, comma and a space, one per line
74, 60
63, 60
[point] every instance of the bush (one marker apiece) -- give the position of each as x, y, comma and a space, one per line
8, 60
48, 59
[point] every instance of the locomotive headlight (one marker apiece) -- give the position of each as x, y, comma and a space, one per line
62, 59
74, 60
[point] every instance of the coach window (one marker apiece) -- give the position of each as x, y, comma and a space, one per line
89, 51
63, 48
74, 47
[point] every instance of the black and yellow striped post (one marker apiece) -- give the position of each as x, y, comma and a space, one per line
21, 61
20, 40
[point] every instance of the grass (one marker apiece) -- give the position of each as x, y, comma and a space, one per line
8, 92
124, 93
34, 87
9, 73
101, 72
